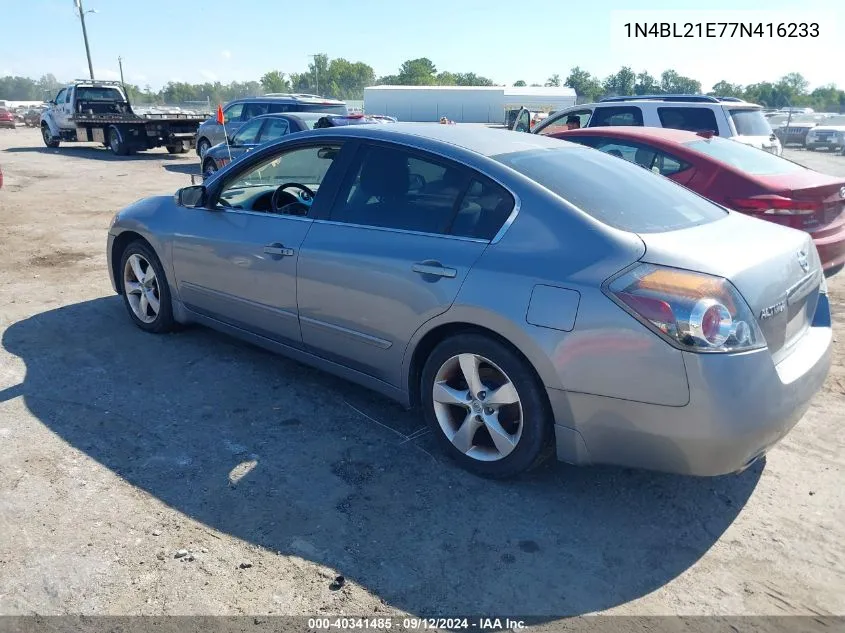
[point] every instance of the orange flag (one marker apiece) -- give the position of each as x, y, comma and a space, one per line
220, 114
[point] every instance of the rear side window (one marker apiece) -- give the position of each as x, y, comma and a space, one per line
316, 107
252, 110
750, 122
749, 159
624, 115
638, 201
484, 209
275, 108
691, 119
645, 156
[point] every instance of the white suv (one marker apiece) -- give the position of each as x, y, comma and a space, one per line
724, 116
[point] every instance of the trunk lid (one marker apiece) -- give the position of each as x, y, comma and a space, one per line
776, 270
827, 193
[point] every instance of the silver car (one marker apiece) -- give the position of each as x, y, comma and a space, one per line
530, 295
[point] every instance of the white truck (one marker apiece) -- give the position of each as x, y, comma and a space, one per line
99, 112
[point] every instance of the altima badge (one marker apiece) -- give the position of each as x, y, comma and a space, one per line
768, 313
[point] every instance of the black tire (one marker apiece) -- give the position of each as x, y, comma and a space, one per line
117, 146
535, 444
164, 321
176, 149
49, 139
209, 167
203, 145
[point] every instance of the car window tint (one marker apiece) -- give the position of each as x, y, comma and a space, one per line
638, 201
233, 112
749, 159
317, 107
61, 96
393, 189
273, 129
483, 210
251, 189
691, 119
248, 133
252, 110
645, 156
750, 122
273, 108
623, 115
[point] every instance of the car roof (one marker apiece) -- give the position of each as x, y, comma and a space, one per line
666, 103
291, 98
634, 132
476, 138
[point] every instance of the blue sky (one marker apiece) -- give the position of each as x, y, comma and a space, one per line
193, 40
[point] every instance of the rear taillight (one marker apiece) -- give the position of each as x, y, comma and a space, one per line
771, 204
693, 311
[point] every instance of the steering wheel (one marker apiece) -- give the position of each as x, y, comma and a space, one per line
292, 204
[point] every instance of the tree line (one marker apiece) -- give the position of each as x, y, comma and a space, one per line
342, 79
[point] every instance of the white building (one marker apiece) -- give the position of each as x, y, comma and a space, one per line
476, 104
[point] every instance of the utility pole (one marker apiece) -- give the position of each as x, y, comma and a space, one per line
82, 13
316, 72
120, 64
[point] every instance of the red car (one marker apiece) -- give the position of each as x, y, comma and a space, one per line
7, 119
736, 176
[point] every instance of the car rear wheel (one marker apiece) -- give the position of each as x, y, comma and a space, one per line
486, 406
49, 140
146, 294
179, 148
118, 147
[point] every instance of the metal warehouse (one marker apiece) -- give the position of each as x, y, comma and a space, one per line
477, 104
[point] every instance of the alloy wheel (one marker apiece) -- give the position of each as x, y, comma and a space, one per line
477, 407
140, 286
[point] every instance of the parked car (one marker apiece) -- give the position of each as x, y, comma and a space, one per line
738, 177
32, 117
239, 111
724, 116
496, 281
269, 127
829, 134
794, 131
7, 119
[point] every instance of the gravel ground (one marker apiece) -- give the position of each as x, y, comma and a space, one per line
192, 474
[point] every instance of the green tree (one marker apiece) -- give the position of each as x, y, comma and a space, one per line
621, 83
445, 78
274, 81
519, 84
418, 72
727, 89
585, 85
553, 81
673, 83
645, 84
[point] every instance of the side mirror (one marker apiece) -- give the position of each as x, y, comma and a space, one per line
51, 102
192, 197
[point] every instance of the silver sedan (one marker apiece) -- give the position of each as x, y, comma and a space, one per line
531, 296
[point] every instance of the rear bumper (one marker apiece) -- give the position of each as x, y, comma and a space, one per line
831, 248
740, 406
831, 144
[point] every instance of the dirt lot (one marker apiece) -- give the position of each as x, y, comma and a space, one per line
121, 448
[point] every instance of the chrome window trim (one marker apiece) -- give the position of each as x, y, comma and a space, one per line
389, 229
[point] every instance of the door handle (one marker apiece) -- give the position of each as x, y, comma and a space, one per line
278, 250
435, 269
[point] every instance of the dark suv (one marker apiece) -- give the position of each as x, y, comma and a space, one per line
239, 111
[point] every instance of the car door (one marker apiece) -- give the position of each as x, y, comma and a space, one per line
231, 122
62, 110
397, 244
235, 261
246, 138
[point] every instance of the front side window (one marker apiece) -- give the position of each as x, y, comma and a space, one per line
60, 98
391, 188
254, 188
690, 119
273, 129
233, 112
617, 115
248, 133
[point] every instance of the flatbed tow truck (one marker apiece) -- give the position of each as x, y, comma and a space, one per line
100, 112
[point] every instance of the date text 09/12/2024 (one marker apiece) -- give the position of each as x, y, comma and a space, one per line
721, 29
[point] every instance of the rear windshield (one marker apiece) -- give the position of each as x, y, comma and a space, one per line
98, 94
618, 193
749, 159
750, 122
316, 107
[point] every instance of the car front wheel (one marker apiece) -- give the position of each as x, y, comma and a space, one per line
146, 294
486, 406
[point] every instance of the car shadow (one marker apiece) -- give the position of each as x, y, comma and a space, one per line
347, 479
94, 153
190, 169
